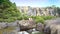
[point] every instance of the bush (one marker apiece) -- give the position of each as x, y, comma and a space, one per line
1, 19
47, 17
41, 19
11, 19
8, 12
19, 18
25, 17
38, 19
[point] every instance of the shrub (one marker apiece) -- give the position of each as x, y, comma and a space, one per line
19, 18
10, 19
47, 17
39, 19
9, 11
1, 19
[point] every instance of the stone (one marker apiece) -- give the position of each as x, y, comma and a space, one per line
52, 26
27, 24
12, 24
4, 32
47, 30
35, 32
3, 25
17, 29
11, 32
23, 32
40, 27
58, 31
31, 30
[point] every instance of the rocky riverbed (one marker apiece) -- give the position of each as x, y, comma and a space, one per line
30, 27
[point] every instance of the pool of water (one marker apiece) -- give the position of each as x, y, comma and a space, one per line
7, 30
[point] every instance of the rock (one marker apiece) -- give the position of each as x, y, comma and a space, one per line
12, 24
4, 32
17, 29
35, 32
3, 25
40, 27
47, 30
12, 32
27, 24
52, 26
31, 30
23, 32
55, 29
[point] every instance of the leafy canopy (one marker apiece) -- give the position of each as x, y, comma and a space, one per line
8, 11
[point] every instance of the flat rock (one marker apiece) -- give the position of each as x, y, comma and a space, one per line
3, 25
23, 32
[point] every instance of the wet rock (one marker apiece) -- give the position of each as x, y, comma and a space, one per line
12, 24
31, 30
12, 32
4, 32
23, 32
47, 30
3, 25
39, 27
35, 32
17, 29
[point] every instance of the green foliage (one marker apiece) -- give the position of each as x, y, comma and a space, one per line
47, 17
8, 11
19, 18
41, 19
26, 17
23, 16
38, 19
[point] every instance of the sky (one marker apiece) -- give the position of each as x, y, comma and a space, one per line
36, 3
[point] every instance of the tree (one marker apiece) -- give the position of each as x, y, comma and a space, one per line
8, 10
58, 10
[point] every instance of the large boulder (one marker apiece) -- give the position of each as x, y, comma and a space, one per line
12, 24
55, 29
52, 26
26, 24
3, 25
40, 27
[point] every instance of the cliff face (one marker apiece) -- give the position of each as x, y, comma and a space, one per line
35, 11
